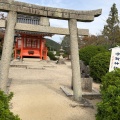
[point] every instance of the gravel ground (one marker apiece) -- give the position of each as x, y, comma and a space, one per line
37, 93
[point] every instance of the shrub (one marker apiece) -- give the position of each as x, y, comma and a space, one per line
5, 113
109, 107
65, 55
88, 52
99, 65
51, 56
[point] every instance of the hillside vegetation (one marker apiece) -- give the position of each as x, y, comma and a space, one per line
52, 45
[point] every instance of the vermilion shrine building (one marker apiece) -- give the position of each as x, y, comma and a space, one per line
30, 45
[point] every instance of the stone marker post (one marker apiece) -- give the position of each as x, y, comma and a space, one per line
7, 49
76, 79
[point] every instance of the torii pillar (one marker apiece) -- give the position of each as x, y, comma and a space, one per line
76, 76
7, 49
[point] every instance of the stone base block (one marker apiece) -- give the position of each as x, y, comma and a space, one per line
87, 84
61, 61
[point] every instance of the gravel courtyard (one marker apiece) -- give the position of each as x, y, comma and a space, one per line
37, 93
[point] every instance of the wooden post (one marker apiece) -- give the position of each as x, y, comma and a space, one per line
15, 51
22, 44
41, 48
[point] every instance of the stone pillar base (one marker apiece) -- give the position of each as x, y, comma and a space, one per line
87, 84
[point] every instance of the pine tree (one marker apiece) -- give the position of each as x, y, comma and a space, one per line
111, 31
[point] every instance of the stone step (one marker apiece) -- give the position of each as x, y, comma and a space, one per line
32, 59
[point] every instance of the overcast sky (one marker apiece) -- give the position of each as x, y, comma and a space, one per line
94, 27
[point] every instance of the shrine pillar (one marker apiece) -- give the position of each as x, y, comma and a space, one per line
7, 49
44, 21
76, 78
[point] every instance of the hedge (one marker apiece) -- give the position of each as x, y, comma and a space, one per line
51, 55
99, 65
109, 107
88, 52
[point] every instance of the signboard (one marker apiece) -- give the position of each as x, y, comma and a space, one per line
115, 59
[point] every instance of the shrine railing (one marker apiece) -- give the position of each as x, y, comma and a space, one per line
28, 19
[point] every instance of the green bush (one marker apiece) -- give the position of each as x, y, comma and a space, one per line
109, 107
88, 52
5, 113
99, 65
65, 55
51, 56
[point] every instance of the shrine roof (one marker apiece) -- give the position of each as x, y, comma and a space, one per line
37, 34
2, 32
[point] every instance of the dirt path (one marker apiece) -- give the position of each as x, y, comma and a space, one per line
37, 93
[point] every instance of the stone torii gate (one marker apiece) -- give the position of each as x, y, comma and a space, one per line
14, 8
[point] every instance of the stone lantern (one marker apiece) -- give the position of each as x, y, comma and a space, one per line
61, 59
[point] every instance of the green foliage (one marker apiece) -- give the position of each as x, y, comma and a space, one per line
51, 56
57, 53
52, 45
99, 65
5, 113
66, 44
111, 30
65, 55
109, 107
88, 52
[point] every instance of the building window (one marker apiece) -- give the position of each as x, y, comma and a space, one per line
34, 43
28, 43
31, 43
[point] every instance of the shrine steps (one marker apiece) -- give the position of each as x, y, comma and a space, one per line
32, 59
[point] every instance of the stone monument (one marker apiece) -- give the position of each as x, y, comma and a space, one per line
85, 76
